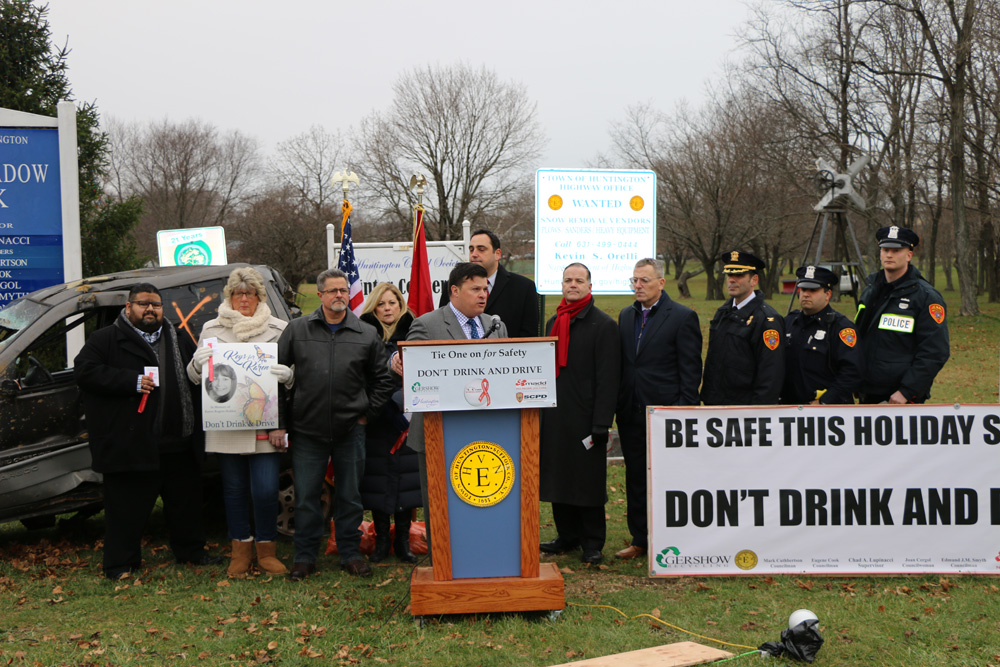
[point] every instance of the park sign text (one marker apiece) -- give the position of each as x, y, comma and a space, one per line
31, 233
602, 218
833, 490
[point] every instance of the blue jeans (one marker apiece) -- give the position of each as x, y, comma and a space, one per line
309, 457
246, 476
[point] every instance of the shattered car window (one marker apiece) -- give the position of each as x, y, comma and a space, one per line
16, 316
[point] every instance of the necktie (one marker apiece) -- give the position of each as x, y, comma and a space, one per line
473, 329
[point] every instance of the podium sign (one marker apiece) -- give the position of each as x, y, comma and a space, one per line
481, 440
492, 374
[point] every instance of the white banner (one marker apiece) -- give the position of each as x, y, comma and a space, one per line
242, 394
391, 263
824, 490
603, 218
485, 374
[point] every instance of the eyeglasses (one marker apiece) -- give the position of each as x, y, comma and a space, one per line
635, 281
146, 304
241, 294
335, 290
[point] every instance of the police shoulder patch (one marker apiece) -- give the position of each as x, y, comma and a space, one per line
772, 339
937, 312
849, 336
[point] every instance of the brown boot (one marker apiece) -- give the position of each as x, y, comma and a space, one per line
239, 562
267, 559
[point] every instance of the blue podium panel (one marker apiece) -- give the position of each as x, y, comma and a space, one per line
485, 540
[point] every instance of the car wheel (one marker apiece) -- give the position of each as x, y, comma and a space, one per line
38, 522
286, 503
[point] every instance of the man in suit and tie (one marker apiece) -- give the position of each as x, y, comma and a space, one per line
661, 365
509, 295
462, 318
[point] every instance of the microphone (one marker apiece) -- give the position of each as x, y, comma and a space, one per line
493, 327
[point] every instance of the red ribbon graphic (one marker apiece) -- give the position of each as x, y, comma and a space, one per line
486, 392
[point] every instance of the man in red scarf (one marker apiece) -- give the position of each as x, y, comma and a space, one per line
574, 438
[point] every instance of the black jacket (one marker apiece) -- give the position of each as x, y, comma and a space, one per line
904, 336
514, 298
586, 393
339, 378
107, 370
745, 362
391, 482
821, 352
665, 368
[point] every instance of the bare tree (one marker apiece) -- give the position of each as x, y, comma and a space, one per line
471, 134
186, 173
307, 162
278, 229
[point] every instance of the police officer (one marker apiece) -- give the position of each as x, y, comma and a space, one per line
822, 356
901, 322
745, 363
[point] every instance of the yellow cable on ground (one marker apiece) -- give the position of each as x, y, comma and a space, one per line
658, 620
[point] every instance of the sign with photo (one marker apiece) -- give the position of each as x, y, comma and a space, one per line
242, 393
867, 489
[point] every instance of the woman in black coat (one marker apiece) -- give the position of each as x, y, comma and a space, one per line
391, 484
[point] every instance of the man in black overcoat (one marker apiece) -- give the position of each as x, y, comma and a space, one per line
141, 421
661, 365
574, 435
510, 295
745, 362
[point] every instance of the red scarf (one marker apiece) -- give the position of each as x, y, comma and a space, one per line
560, 328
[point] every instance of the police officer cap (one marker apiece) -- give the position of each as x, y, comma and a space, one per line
815, 277
740, 262
897, 237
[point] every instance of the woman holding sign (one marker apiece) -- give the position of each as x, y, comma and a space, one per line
248, 461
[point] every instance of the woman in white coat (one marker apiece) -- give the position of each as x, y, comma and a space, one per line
248, 461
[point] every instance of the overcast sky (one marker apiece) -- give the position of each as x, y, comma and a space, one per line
271, 69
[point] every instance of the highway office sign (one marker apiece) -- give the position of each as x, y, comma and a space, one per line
603, 218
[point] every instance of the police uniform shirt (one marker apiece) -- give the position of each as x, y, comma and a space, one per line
904, 335
821, 353
745, 362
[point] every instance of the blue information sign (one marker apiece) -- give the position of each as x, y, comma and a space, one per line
31, 234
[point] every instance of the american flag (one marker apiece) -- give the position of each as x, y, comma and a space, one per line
346, 261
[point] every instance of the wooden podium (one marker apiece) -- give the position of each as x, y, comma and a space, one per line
480, 401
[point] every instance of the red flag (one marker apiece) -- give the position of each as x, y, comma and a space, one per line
419, 299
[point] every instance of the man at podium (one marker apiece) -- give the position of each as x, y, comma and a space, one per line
461, 318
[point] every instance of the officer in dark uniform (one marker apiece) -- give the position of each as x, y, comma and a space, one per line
822, 357
745, 364
901, 323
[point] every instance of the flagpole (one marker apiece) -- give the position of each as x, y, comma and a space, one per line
346, 261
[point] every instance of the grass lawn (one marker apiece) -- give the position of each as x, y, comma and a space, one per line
56, 608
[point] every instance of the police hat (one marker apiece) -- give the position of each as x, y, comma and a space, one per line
897, 237
740, 262
815, 277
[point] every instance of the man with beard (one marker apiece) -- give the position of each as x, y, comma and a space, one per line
745, 362
901, 323
341, 381
141, 420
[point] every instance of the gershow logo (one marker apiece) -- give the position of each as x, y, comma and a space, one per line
672, 557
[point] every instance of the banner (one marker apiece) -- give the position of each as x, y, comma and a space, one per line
243, 393
494, 374
824, 490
